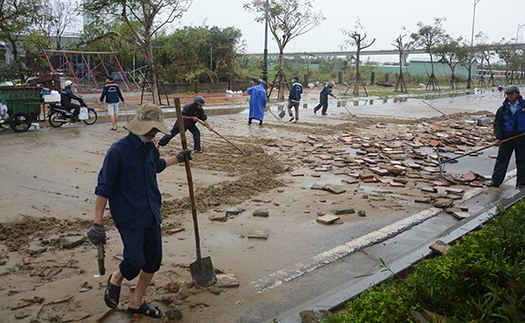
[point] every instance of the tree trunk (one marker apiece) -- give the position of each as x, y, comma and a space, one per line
153, 72
357, 74
280, 92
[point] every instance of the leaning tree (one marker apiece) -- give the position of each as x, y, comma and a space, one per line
287, 19
145, 18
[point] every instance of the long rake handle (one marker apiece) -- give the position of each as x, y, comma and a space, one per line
218, 134
483, 148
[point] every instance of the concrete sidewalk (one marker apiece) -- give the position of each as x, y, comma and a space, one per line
484, 203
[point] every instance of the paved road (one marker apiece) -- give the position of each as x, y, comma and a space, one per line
329, 265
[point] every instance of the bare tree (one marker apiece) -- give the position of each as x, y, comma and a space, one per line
144, 18
355, 38
400, 82
287, 19
507, 52
429, 37
486, 55
59, 15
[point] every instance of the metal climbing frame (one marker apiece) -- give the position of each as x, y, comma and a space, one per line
86, 66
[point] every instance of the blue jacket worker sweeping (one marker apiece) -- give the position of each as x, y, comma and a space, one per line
510, 122
257, 102
128, 180
191, 114
294, 99
323, 98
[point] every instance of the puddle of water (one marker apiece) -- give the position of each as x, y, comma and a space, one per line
400, 99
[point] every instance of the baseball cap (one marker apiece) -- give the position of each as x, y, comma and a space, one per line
512, 88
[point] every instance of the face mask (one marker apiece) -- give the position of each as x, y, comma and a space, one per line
143, 139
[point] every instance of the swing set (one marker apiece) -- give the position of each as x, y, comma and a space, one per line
87, 68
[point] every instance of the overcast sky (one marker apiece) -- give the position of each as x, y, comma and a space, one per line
382, 19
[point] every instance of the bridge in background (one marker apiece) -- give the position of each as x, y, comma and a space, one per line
385, 52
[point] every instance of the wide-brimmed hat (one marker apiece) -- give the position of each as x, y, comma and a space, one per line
512, 88
148, 116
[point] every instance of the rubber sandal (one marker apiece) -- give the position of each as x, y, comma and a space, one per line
113, 129
147, 309
112, 294
291, 119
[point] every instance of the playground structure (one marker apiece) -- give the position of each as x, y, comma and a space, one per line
85, 68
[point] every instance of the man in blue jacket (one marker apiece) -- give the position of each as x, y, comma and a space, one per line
510, 122
128, 181
112, 94
257, 102
294, 98
323, 98
191, 114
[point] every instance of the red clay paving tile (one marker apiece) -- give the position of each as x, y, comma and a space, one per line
325, 157
353, 181
433, 128
428, 189
327, 219
476, 184
320, 169
369, 179
454, 190
334, 189
469, 176
460, 215
440, 247
434, 143
318, 145
397, 184
296, 174
312, 137
440, 183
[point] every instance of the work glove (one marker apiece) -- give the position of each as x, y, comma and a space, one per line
180, 155
97, 233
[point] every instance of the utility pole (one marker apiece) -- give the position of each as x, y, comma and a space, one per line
265, 60
471, 45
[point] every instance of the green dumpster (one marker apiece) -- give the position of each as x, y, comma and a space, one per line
23, 105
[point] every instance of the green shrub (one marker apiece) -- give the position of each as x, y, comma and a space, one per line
481, 279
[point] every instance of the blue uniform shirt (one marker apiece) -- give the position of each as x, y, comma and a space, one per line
128, 178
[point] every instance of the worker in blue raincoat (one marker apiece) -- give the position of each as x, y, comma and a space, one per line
257, 102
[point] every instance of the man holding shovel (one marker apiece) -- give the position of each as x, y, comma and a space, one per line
128, 180
510, 122
191, 114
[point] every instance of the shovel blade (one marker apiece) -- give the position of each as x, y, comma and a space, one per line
281, 114
202, 272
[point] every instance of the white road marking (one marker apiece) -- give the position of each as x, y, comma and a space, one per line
277, 278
